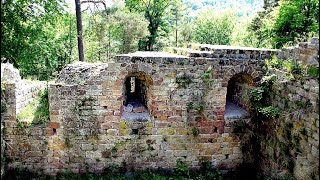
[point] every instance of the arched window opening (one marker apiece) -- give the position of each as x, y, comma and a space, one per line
135, 97
237, 99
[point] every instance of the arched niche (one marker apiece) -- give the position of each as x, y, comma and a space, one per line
136, 96
237, 98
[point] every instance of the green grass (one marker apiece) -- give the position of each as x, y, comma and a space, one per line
26, 114
37, 111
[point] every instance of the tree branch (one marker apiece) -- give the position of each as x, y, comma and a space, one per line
95, 2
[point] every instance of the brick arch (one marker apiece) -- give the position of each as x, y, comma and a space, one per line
238, 90
256, 75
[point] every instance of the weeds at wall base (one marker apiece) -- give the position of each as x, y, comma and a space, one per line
245, 171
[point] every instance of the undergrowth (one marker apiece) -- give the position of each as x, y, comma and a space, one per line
37, 111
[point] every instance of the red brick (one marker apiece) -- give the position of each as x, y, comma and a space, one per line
55, 125
207, 124
178, 112
218, 123
220, 117
109, 113
206, 130
198, 119
163, 118
54, 112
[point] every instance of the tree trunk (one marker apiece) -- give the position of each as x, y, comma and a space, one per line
176, 27
79, 30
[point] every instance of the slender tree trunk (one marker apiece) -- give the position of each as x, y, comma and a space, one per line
79, 30
70, 39
176, 28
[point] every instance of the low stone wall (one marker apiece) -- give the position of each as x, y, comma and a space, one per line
305, 52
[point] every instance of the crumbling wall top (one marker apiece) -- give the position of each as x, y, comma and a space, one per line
80, 72
9, 73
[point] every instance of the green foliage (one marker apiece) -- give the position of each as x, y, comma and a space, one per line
269, 111
214, 28
37, 111
184, 80
256, 94
239, 127
3, 100
294, 69
113, 31
41, 115
286, 23
207, 77
241, 35
296, 20
26, 114
259, 97
67, 142
20, 125
313, 71
199, 107
154, 12
261, 28
182, 168
3, 107
34, 37
195, 131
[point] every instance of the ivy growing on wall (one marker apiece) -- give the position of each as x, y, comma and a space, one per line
259, 97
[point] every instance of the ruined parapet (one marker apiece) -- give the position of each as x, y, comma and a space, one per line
80, 72
224, 52
23, 91
9, 73
305, 52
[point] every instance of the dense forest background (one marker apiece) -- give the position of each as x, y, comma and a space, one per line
40, 36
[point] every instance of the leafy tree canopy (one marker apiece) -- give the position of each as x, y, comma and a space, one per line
297, 21
154, 12
29, 37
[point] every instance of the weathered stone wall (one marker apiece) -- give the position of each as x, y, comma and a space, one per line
22, 147
24, 90
305, 52
86, 104
294, 142
186, 101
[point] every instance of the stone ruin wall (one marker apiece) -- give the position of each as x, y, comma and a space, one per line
298, 129
16, 93
86, 131
300, 98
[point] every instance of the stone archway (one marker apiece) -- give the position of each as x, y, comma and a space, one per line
237, 99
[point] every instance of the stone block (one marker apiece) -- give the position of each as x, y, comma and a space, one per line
112, 132
315, 151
